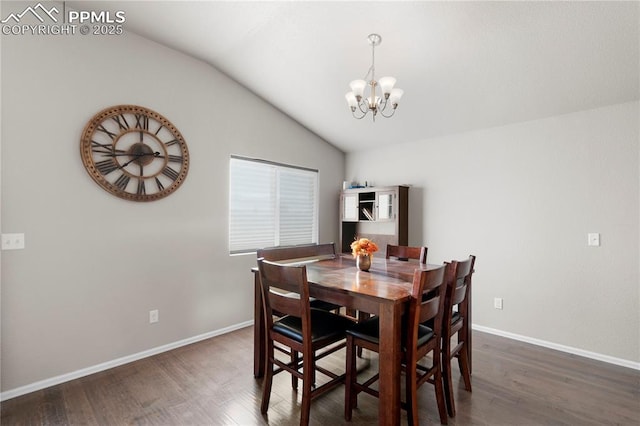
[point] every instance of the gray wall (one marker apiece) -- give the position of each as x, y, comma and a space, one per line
94, 265
523, 198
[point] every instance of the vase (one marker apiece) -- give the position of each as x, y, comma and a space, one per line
363, 262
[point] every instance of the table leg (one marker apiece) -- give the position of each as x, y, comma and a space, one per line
390, 329
259, 349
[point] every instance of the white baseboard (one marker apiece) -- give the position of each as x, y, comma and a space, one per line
116, 362
593, 355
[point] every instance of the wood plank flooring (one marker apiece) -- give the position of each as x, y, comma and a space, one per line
212, 383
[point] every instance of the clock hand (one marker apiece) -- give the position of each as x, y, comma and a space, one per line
155, 154
127, 163
125, 154
132, 160
108, 153
120, 154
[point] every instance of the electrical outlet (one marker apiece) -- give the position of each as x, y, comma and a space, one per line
12, 241
497, 302
154, 316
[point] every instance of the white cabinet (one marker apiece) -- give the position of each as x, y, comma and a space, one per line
380, 214
386, 202
349, 207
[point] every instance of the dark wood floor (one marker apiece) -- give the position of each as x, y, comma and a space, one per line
212, 383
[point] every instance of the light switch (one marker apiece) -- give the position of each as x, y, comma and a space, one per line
593, 239
12, 241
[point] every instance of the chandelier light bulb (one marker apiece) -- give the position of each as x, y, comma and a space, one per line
373, 105
387, 83
395, 96
351, 100
357, 86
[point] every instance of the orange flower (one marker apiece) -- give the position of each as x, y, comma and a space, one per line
363, 246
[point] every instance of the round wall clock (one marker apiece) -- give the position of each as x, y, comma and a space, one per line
134, 153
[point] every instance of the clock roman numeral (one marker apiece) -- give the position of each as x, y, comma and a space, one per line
170, 173
122, 182
105, 148
175, 158
160, 185
158, 131
141, 188
142, 121
122, 121
106, 166
102, 129
101, 148
173, 142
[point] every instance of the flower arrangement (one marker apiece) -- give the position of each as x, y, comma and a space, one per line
363, 246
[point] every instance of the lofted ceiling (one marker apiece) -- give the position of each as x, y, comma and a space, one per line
462, 65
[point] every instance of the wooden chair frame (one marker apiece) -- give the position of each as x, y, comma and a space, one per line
407, 252
298, 253
427, 304
293, 254
458, 294
293, 279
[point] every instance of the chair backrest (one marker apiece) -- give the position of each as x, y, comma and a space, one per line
309, 251
427, 301
458, 284
277, 282
406, 253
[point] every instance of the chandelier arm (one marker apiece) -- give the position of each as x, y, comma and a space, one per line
353, 112
363, 107
393, 111
383, 107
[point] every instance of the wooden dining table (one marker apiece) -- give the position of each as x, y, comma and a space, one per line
384, 290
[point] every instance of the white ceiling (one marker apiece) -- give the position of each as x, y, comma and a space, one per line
462, 65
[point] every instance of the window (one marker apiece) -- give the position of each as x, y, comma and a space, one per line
270, 205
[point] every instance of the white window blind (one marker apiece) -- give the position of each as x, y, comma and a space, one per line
270, 205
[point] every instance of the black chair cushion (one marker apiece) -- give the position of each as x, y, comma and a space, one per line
370, 331
366, 330
324, 325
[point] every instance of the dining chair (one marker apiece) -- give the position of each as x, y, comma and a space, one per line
300, 253
418, 341
314, 333
407, 252
456, 323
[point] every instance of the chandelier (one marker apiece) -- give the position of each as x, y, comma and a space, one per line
383, 98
